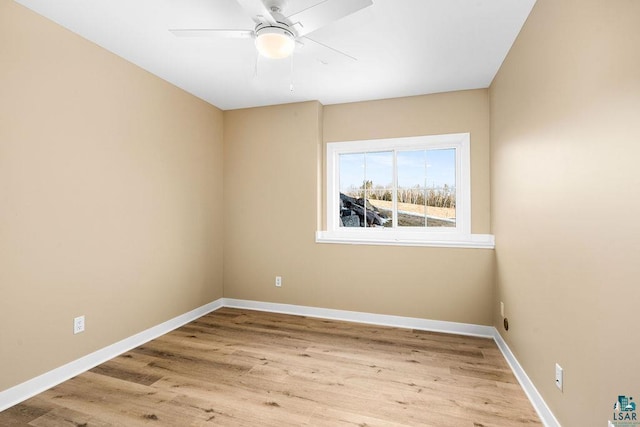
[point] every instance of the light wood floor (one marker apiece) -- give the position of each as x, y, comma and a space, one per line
248, 368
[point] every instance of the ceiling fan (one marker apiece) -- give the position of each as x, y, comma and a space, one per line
275, 34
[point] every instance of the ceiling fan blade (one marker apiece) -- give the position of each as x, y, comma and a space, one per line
211, 33
331, 48
257, 11
323, 13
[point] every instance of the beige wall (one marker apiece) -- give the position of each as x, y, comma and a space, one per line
110, 193
271, 201
565, 130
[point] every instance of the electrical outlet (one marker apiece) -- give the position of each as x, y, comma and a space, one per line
502, 309
78, 324
559, 376
278, 281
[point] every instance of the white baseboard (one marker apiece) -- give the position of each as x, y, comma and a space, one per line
30, 388
369, 318
545, 414
52, 378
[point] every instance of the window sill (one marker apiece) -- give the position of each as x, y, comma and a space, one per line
434, 240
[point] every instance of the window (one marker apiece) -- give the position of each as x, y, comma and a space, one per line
413, 191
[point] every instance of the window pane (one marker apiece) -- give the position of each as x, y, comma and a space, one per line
379, 188
365, 177
351, 179
441, 188
427, 188
412, 175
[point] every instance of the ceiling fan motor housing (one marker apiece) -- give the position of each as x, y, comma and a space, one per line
275, 40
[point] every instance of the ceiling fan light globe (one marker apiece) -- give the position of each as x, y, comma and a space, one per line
275, 43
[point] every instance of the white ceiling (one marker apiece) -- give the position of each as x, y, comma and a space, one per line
403, 47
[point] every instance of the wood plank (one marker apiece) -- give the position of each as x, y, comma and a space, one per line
241, 367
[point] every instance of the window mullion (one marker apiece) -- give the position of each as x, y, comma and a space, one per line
425, 185
364, 190
394, 198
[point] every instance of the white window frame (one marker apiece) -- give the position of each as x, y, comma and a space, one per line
458, 236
